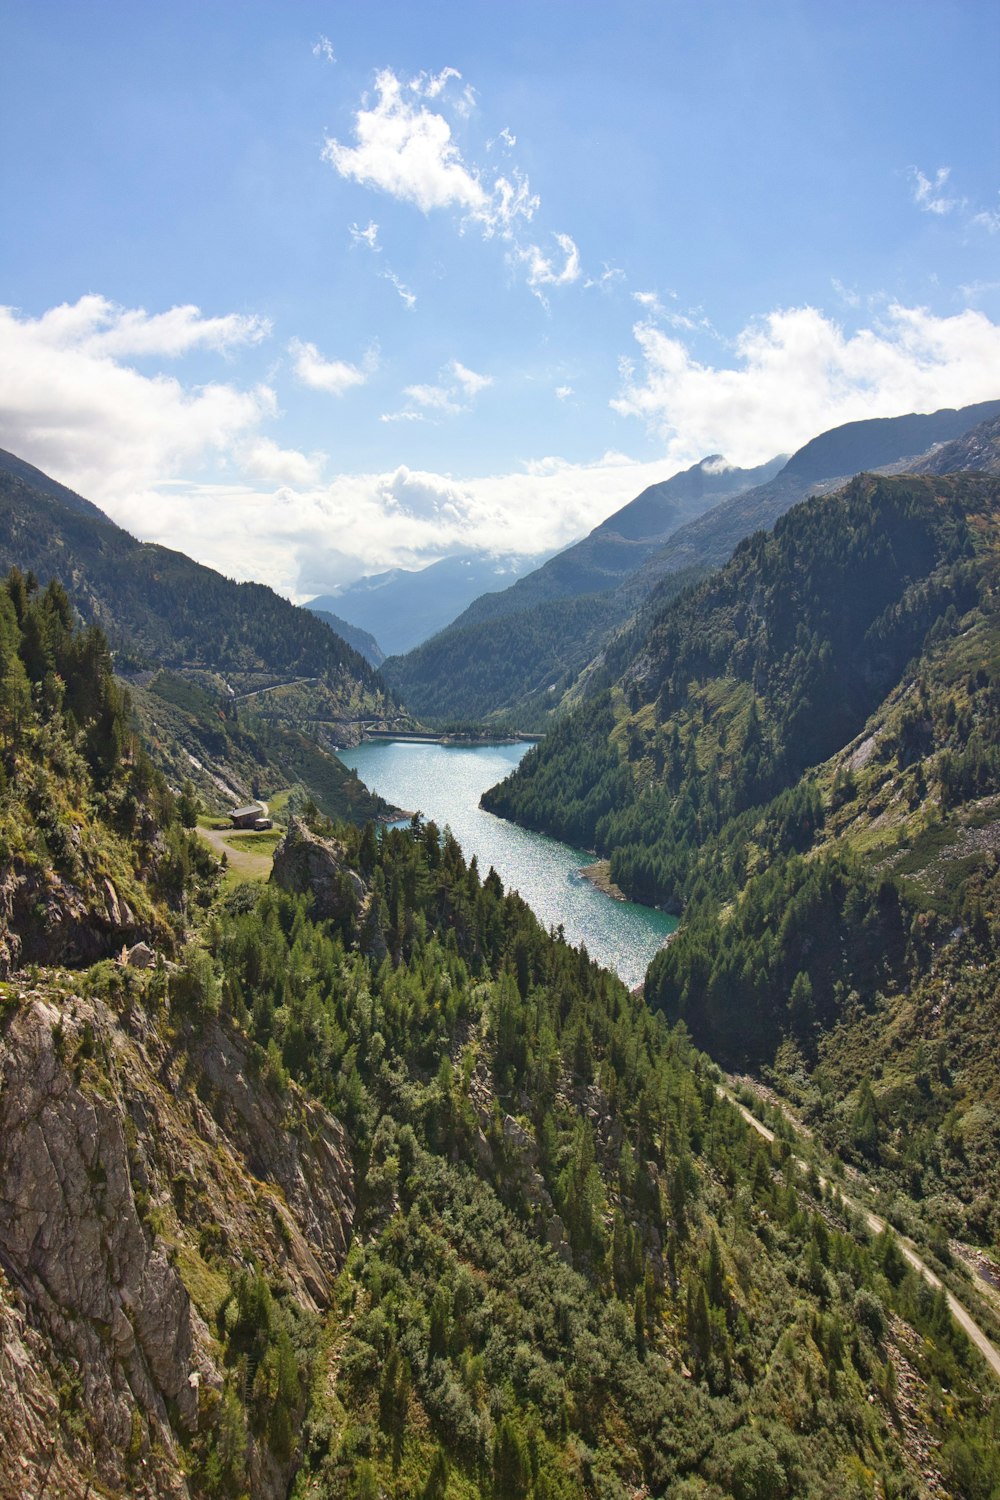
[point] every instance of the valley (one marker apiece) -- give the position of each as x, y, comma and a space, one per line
410, 1138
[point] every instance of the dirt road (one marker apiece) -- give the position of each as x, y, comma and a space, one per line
962, 1316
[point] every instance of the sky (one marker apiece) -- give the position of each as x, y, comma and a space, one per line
313, 290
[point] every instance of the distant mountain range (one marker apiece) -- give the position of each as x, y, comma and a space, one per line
520, 651
403, 607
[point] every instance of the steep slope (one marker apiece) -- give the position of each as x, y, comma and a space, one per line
617, 548
362, 640
520, 650
234, 643
228, 756
822, 465
840, 922
541, 661
390, 1189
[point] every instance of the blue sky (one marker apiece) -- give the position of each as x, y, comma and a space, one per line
309, 290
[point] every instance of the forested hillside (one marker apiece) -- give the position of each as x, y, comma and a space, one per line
401, 1192
248, 657
802, 758
93, 851
157, 607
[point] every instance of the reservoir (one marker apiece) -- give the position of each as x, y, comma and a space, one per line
445, 782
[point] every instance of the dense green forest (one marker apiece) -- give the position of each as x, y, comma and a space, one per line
765, 669
802, 757
575, 1270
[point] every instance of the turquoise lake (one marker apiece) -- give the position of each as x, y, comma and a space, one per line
445, 783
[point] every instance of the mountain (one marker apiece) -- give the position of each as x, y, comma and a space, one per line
824, 463
380, 1187
617, 548
362, 640
18, 469
542, 658
403, 607
519, 650
239, 646
978, 449
800, 757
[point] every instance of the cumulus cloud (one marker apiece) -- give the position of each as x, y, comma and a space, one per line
335, 376
95, 326
70, 405
797, 373
264, 459
407, 149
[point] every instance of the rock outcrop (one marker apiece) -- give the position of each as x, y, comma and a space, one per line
304, 864
138, 1160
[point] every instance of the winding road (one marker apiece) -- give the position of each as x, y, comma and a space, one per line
908, 1250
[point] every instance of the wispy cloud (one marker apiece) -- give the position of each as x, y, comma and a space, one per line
454, 391
929, 192
334, 376
798, 373
367, 236
410, 298
542, 269
323, 47
470, 382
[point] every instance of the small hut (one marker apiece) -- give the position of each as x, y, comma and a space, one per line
254, 815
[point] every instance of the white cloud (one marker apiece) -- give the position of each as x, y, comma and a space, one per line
563, 392
471, 383
367, 236
263, 459
98, 327
323, 47
410, 298
407, 150
542, 270
71, 406
988, 219
929, 192
335, 376
610, 276
454, 391
434, 396
798, 373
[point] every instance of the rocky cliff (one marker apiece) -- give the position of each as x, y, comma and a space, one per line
143, 1160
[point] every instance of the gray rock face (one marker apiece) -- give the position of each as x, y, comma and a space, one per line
120, 1149
306, 864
